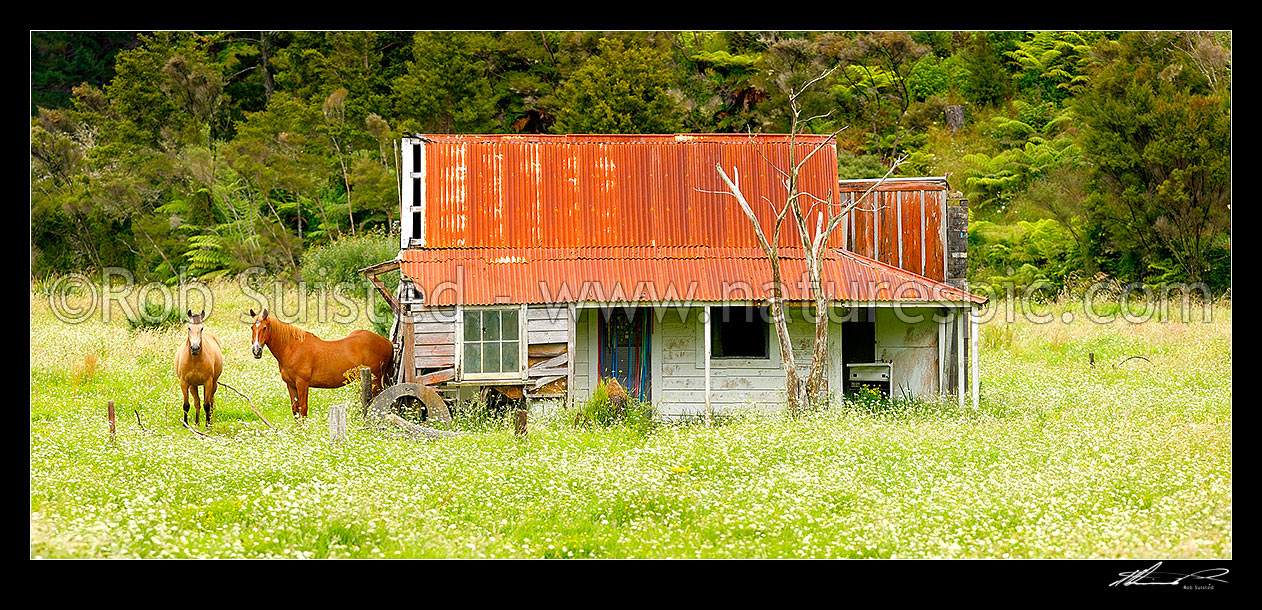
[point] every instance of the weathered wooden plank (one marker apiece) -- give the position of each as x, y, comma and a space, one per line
433, 338
546, 350
571, 333
445, 316
724, 398
434, 327
407, 353
546, 380
726, 382
546, 372
551, 362
544, 324
420, 432
439, 349
546, 313
434, 362
681, 356
550, 336
438, 376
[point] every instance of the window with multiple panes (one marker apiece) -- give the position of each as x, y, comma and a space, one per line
492, 343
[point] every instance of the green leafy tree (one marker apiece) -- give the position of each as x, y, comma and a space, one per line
717, 79
874, 81
448, 87
620, 90
1158, 134
1051, 65
61, 61
989, 83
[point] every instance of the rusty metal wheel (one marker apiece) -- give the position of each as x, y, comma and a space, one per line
384, 403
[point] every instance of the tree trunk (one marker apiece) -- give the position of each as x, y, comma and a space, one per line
955, 118
792, 383
265, 50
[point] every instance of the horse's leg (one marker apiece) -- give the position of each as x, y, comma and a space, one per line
302, 388
293, 397
210, 399
197, 406
184, 388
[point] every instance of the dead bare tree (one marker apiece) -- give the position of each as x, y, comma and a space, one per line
813, 249
771, 247
801, 394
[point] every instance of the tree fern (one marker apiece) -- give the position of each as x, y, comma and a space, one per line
206, 254
1054, 64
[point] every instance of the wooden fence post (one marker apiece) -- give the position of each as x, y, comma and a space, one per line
110, 411
519, 422
337, 423
365, 389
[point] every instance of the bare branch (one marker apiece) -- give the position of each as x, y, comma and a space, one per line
831, 138
808, 84
735, 191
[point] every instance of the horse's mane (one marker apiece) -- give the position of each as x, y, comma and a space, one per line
288, 332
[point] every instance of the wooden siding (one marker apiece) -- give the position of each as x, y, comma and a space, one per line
912, 347
735, 384
678, 359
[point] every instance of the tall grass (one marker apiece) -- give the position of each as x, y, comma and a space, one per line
1123, 458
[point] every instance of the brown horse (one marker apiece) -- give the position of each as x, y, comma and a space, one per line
307, 361
199, 362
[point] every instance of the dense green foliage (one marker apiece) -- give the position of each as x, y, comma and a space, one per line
195, 154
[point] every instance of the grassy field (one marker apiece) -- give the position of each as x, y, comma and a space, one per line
1126, 458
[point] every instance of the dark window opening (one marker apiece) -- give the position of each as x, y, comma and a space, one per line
739, 332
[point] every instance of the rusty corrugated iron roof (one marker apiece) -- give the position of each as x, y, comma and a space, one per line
487, 276
520, 191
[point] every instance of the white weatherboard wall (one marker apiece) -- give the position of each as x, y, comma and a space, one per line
678, 359
584, 358
912, 347
735, 383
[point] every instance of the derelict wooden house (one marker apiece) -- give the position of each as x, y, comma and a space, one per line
537, 265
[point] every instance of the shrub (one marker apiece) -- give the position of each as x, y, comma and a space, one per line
853, 167
339, 261
153, 316
609, 405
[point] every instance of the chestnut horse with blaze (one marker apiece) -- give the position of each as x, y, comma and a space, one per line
307, 361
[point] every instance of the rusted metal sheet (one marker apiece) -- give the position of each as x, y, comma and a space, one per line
488, 276
934, 235
901, 223
602, 190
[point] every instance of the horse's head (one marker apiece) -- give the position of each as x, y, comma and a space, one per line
260, 332
195, 331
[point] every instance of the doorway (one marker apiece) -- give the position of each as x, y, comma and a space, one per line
625, 349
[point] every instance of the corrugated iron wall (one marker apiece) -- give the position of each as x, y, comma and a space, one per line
901, 223
579, 190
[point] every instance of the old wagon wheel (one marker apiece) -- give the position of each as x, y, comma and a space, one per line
435, 406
